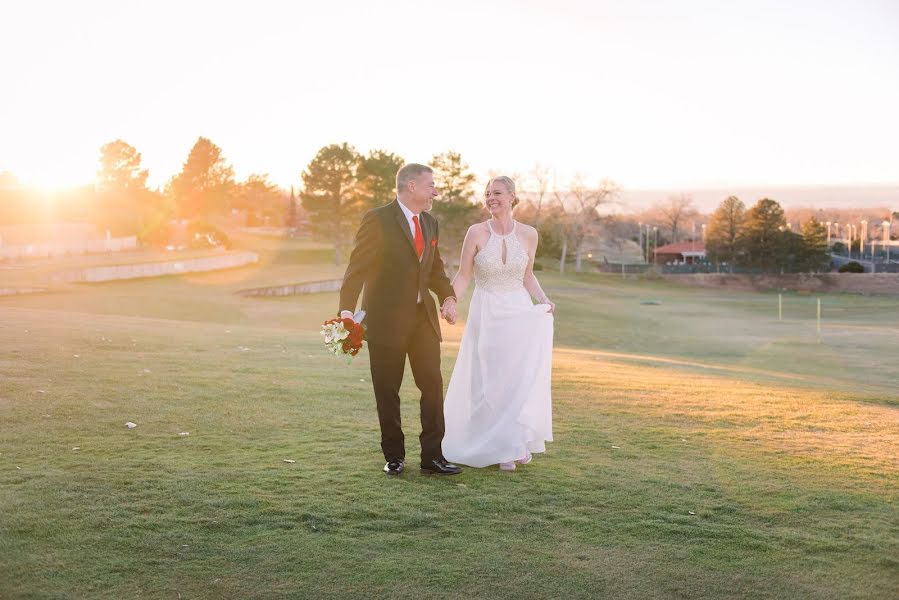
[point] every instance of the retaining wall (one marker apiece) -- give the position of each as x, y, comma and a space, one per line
295, 289
156, 269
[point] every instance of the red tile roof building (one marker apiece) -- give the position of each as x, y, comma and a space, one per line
681, 252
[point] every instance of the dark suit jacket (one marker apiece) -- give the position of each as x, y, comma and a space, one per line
385, 263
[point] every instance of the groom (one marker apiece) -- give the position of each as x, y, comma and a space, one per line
397, 261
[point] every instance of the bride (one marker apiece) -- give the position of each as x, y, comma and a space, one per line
498, 404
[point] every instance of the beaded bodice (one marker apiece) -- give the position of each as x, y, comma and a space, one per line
491, 273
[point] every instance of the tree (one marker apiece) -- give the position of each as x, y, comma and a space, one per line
455, 206
724, 231
260, 198
124, 204
546, 224
674, 211
205, 184
377, 177
815, 255
292, 217
764, 235
120, 168
580, 215
537, 185
617, 231
331, 197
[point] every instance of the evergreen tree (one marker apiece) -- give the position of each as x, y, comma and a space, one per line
814, 246
205, 184
764, 237
377, 177
455, 206
724, 231
331, 196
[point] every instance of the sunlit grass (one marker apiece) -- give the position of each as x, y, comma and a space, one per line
687, 462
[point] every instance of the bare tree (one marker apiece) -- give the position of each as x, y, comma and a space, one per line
617, 231
537, 184
674, 211
580, 217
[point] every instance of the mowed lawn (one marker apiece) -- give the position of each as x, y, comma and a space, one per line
704, 449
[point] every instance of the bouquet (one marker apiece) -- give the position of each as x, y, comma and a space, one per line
344, 336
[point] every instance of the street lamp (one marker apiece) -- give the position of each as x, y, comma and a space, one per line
861, 239
648, 229
640, 234
893, 213
656, 245
886, 238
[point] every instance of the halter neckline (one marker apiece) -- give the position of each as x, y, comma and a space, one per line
493, 231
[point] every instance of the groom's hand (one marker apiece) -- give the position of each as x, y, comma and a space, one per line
449, 311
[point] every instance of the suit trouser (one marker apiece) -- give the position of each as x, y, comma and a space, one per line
387, 367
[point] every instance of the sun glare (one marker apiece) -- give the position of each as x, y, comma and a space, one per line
52, 180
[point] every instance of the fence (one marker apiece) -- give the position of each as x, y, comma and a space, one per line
679, 269
47, 250
878, 265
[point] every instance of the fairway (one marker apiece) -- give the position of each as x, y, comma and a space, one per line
703, 449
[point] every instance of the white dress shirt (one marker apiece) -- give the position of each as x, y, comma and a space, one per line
409, 214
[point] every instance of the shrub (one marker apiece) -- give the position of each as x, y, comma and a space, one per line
203, 235
852, 267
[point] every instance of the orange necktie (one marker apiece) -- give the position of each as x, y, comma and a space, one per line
419, 238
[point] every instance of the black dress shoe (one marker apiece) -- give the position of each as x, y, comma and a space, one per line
439, 466
395, 467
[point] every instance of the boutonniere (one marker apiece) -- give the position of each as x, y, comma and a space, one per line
433, 243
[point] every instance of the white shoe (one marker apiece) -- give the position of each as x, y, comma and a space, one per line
527, 458
507, 466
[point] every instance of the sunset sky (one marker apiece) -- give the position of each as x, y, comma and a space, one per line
649, 93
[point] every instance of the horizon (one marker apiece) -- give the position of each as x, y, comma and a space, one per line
650, 95
634, 201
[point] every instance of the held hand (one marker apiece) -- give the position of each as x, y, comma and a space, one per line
345, 314
449, 311
449, 315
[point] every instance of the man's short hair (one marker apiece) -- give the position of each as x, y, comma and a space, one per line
409, 172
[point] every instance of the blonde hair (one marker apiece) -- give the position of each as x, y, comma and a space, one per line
510, 187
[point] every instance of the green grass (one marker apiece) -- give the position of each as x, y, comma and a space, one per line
784, 448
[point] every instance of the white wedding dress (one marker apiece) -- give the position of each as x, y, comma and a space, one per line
498, 404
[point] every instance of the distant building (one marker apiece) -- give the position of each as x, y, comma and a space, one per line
680, 253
